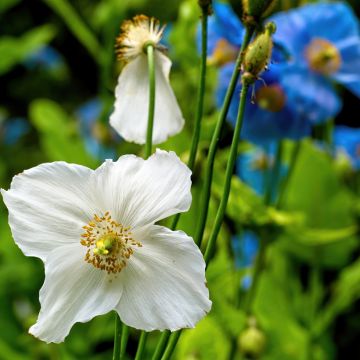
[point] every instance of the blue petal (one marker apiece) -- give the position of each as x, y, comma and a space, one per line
89, 114
245, 248
14, 129
291, 32
334, 21
313, 96
261, 126
223, 24
349, 72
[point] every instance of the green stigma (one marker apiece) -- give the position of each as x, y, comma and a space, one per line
105, 244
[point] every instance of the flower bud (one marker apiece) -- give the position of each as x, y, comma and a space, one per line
257, 9
252, 341
206, 6
258, 54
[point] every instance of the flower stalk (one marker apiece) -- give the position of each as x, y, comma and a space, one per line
200, 97
117, 337
149, 133
204, 206
149, 48
228, 175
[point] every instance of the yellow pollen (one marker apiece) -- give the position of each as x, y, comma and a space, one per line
271, 98
323, 56
223, 53
109, 243
262, 162
135, 33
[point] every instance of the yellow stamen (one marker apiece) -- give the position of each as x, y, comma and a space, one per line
223, 53
271, 98
323, 56
109, 243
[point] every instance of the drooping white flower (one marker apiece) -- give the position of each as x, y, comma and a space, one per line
95, 231
130, 116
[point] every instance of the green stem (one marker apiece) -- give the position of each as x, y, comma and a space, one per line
260, 259
148, 149
124, 340
161, 345
200, 101
141, 345
258, 267
151, 112
78, 27
228, 175
117, 336
285, 183
275, 173
171, 345
204, 206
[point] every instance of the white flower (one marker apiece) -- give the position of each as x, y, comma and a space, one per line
130, 116
95, 232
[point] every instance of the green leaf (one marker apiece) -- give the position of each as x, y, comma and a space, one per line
60, 138
15, 50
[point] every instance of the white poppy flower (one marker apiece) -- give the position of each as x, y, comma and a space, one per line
130, 116
95, 231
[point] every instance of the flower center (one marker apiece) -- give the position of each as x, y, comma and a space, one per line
271, 98
223, 53
109, 243
262, 162
323, 56
135, 34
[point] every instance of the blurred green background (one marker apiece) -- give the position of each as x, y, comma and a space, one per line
57, 76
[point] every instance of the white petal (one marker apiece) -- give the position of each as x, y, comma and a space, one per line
130, 116
73, 291
138, 192
164, 282
48, 205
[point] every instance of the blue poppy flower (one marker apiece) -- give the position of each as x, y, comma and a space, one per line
272, 116
13, 129
324, 42
46, 57
245, 248
254, 165
269, 115
225, 33
347, 139
95, 134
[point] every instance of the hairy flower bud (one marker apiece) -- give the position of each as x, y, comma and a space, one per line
258, 9
258, 54
252, 341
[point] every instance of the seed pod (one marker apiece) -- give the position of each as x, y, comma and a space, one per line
257, 9
258, 54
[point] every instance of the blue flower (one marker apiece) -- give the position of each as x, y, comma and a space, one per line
225, 33
347, 140
46, 57
245, 248
271, 116
324, 43
95, 134
254, 165
13, 129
